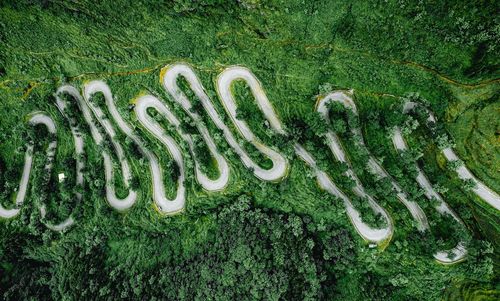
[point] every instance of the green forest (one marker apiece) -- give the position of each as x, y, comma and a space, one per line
249, 150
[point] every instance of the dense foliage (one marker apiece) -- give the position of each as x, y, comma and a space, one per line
247, 253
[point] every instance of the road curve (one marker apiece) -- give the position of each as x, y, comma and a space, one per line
168, 78
224, 83
41, 118
368, 233
23, 185
88, 90
345, 98
335, 146
79, 151
143, 103
480, 189
459, 252
37, 118
164, 205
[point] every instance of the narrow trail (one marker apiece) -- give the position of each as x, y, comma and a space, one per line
104, 132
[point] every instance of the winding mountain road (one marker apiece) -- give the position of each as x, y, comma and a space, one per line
40, 118
345, 98
480, 189
169, 77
